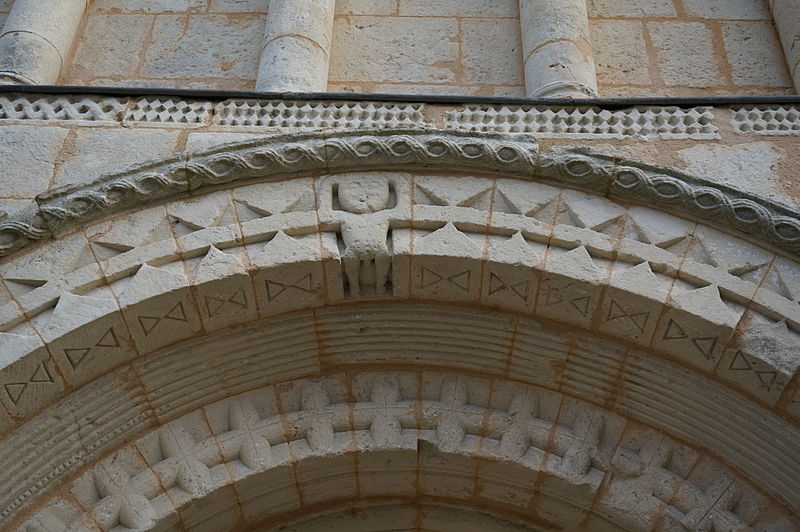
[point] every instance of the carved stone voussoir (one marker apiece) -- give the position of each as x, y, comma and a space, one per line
675, 191
511, 155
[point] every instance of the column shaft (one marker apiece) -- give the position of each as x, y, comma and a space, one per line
36, 39
297, 46
786, 14
557, 49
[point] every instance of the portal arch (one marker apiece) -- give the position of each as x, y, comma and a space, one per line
153, 294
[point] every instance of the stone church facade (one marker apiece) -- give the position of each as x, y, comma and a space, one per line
373, 265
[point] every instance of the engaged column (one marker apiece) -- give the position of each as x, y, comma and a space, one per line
36, 39
557, 49
786, 14
297, 46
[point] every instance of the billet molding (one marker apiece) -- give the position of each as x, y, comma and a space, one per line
645, 122
62, 210
767, 119
631, 475
668, 123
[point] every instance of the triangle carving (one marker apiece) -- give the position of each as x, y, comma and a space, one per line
76, 356
15, 390
109, 339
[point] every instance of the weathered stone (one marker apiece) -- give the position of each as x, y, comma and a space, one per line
728, 9
183, 50
27, 158
635, 9
104, 46
753, 52
85, 157
432, 59
620, 52
684, 51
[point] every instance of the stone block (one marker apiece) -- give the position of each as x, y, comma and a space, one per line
182, 48
749, 167
763, 359
28, 376
620, 52
237, 6
270, 493
633, 301
159, 308
388, 473
46, 266
366, 7
94, 152
105, 46
395, 49
458, 8
492, 51
151, 6
288, 273
445, 474
538, 354
224, 290
661, 231
727, 260
570, 287
27, 157
447, 264
728, 9
755, 54
685, 53
506, 483
630, 8
87, 336
511, 277
698, 326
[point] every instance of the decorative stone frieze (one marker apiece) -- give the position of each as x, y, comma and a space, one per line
767, 119
568, 122
589, 122
407, 427
62, 209
168, 111
61, 108
288, 114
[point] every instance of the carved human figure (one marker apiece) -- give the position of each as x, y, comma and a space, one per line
363, 203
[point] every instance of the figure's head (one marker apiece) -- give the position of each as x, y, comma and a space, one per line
363, 193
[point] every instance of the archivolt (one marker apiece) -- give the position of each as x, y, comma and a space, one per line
317, 153
131, 322
289, 451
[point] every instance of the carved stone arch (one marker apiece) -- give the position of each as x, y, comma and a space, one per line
525, 458
303, 256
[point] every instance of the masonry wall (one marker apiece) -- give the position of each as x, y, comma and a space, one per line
213, 44
687, 48
5, 6
468, 47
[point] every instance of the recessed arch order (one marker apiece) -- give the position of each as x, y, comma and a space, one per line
551, 338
